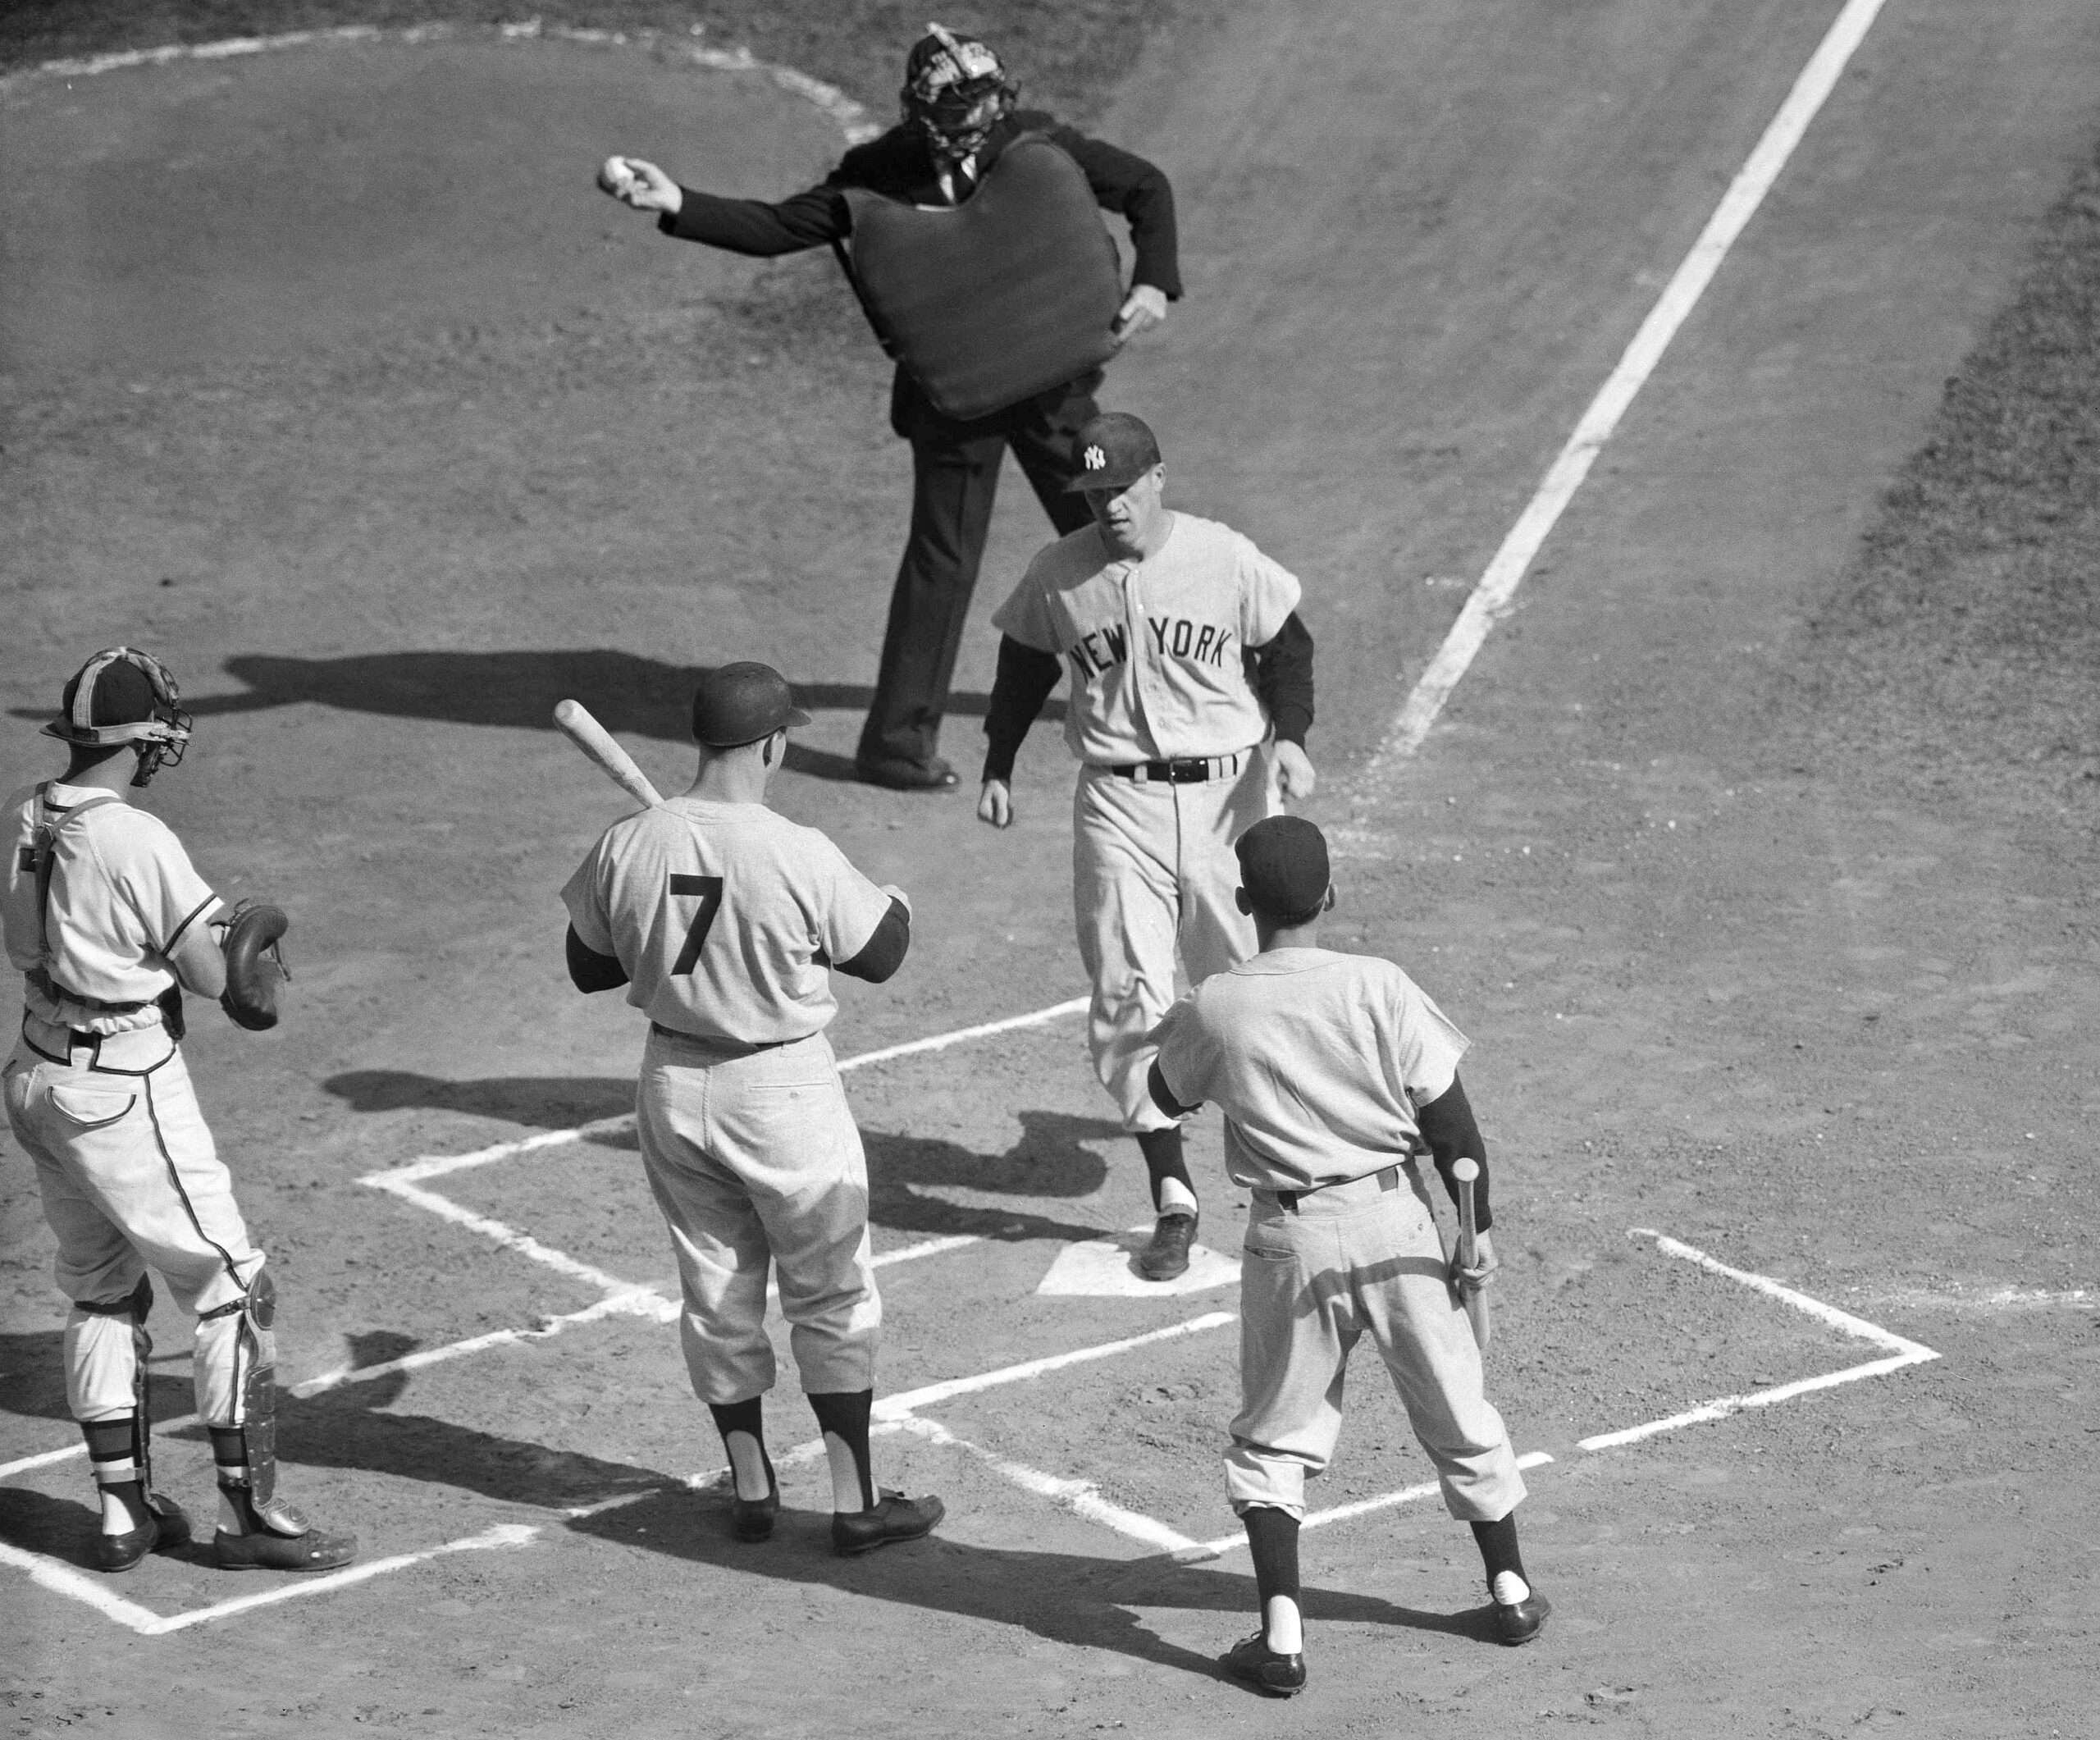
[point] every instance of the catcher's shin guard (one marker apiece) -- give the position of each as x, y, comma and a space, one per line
246, 1451
273, 1536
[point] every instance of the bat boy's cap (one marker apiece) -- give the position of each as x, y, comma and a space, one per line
1283, 866
1114, 449
741, 703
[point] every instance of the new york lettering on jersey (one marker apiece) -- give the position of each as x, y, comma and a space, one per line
727, 916
1155, 648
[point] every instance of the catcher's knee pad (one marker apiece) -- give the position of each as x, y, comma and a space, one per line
246, 1451
121, 1451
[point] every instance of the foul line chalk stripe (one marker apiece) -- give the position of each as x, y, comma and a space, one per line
523, 1243
896, 1406
63, 1579
1494, 597
851, 117
1196, 1552
435, 1165
1902, 1351
1857, 1327
1081, 1497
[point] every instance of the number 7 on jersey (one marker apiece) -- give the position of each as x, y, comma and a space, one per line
708, 889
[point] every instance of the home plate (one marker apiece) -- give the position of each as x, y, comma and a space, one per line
1107, 1267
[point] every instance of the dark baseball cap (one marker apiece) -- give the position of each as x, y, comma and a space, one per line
1114, 449
119, 696
1283, 866
740, 703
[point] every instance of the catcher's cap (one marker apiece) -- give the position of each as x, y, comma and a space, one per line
740, 703
1116, 450
121, 696
1283, 866
946, 74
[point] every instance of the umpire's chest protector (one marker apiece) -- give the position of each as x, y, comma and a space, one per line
1005, 296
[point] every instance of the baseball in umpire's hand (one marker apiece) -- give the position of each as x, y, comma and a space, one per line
635, 181
1294, 775
995, 805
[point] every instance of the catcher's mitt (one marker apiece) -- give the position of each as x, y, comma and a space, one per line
255, 966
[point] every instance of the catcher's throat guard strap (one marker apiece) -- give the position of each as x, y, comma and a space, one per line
984, 304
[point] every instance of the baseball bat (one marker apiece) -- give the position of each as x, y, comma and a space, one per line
577, 725
1476, 1301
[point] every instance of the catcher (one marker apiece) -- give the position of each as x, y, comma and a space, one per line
109, 923
972, 233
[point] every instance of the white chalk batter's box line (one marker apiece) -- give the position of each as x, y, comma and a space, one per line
900, 1412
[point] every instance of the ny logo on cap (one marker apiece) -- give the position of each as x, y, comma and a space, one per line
1096, 459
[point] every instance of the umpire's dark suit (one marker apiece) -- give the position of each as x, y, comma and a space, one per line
955, 465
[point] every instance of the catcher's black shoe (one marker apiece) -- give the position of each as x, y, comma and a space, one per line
1520, 1622
1266, 1669
1167, 1255
165, 1528
266, 1549
896, 1518
752, 1518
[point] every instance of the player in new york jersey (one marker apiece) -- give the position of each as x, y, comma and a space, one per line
723, 921
1191, 673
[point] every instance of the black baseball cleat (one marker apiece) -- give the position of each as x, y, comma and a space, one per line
896, 1518
1520, 1622
1266, 1669
266, 1549
166, 1527
1167, 1255
900, 775
752, 1518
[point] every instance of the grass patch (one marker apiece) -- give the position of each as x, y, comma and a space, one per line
1067, 54
1962, 649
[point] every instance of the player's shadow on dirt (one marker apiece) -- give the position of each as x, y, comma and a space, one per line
33, 1375
1065, 1597
539, 1102
625, 690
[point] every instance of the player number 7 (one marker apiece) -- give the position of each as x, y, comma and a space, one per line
708, 889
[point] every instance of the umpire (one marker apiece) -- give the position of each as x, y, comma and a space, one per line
959, 121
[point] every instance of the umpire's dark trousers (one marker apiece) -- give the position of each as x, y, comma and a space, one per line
955, 468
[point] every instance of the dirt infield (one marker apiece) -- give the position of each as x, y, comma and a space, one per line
330, 377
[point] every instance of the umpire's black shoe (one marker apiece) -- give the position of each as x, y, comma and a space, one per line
900, 775
752, 1518
896, 1518
165, 1528
1167, 1255
1520, 1622
1266, 1669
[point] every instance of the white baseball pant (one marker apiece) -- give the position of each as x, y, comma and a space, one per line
1356, 1259
1152, 869
131, 1180
756, 1161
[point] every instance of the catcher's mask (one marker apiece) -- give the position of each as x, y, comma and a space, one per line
955, 92
121, 696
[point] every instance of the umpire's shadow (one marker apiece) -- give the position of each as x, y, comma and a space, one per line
906, 1174
1065, 1597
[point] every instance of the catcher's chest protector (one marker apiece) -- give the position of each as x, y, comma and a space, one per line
1005, 296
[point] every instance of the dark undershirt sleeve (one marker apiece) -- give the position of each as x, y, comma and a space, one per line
1026, 678
1162, 1096
884, 952
1282, 674
589, 970
1447, 1125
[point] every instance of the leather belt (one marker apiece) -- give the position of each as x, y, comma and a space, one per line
1388, 1177
739, 1046
1187, 770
